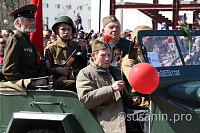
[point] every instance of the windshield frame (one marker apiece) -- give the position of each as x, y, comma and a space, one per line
174, 33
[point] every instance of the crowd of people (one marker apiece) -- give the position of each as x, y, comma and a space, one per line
21, 69
99, 83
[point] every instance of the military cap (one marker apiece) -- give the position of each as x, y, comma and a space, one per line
108, 19
63, 19
135, 31
99, 44
27, 11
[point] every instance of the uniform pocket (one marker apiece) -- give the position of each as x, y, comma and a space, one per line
58, 62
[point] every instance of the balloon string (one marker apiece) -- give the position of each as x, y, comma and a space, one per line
121, 66
122, 74
122, 78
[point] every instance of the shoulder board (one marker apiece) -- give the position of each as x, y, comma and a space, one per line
17, 36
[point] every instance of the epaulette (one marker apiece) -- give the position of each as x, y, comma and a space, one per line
17, 36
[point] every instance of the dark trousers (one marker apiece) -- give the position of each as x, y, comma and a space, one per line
137, 119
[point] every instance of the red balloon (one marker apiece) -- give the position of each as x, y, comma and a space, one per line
144, 78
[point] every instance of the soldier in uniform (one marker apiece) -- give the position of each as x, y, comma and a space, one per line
102, 91
119, 46
20, 60
62, 49
127, 63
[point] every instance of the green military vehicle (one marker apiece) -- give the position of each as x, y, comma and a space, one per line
45, 111
174, 105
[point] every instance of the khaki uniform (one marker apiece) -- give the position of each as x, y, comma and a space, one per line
15, 87
96, 94
126, 65
58, 53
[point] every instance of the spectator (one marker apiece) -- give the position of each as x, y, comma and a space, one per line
164, 26
81, 34
52, 39
196, 24
2, 47
128, 34
48, 33
6, 35
77, 15
185, 18
78, 26
93, 37
45, 40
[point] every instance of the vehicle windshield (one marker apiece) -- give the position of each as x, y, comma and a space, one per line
170, 49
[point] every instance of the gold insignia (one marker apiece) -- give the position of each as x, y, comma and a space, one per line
117, 54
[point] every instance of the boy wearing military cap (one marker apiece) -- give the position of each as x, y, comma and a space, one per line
20, 62
99, 88
63, 49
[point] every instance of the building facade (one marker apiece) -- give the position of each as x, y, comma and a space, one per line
129, 18
92, 12
52, 9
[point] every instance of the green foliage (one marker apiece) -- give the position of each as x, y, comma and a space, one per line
186, 29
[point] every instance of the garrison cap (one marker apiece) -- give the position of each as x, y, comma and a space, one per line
142, 27
27, 11
99, 44
109, 19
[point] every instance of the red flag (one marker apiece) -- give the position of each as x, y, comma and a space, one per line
37, 37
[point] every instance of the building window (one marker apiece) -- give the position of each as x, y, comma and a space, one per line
68, 6
46, 22
89, 8
57, 6
81, 7
89, 23
46, 5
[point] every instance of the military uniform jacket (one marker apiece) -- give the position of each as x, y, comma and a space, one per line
20, 60
96, 94
119, 50
59, 52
